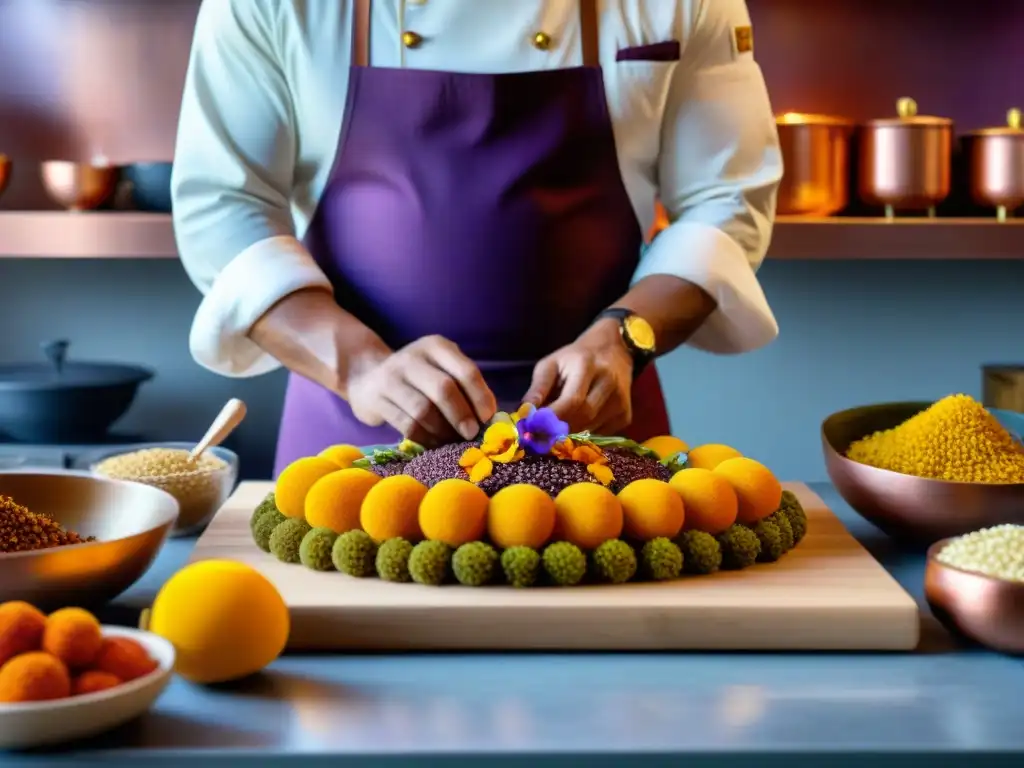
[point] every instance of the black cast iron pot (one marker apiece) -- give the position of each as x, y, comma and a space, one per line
65, 402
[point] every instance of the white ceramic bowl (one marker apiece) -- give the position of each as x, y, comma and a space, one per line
47, 723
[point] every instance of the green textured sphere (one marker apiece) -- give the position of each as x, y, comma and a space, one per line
315, 549
287, 538
564, 563
355, 554
701, 552
740, 547
267, 505
430, 563
393, 560
265, 527
474, 564
662, 559
521, 566
794, 511
614, 561
770, 538
785, 529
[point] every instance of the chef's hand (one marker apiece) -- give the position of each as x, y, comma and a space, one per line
589, 382
428, 390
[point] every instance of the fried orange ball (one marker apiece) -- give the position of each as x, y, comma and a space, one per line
34, 676
124, 658
21, 629
94, 681
74, 636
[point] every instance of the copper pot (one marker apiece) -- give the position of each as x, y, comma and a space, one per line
78, 186
5, 172
905, 161
995, 162
816, 157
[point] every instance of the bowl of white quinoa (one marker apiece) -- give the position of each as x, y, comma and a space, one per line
974, 585
200, 487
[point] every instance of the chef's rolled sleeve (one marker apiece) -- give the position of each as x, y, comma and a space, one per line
233, 170
719, 171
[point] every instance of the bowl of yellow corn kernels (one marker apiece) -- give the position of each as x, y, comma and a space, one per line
925, 471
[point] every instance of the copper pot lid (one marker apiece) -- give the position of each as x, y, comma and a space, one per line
906, 111
803, 118
58, 373
1012, 127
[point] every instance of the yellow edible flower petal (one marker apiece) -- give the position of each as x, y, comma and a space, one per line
588, 454
470, 457
601, 473
501, 418
524, 410
481, 470
510, 454
498, 437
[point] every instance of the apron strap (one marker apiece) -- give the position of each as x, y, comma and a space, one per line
589, 33
361, 33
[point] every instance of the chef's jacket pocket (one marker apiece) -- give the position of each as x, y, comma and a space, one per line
637, 94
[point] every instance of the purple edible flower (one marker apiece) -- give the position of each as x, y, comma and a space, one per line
540, 430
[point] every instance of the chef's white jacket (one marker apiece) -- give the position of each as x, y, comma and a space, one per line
262, 111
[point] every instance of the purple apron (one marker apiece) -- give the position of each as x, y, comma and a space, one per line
488, 209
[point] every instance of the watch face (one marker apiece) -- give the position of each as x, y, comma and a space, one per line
639, 332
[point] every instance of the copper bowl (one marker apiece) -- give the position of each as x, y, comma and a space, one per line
816, 158
981, 608
995, 162
915, 510
906, 161
130, 521
5, 172
78, 186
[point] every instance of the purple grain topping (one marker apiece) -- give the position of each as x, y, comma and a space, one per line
546, 472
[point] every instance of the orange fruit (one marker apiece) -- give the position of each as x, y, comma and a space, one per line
343, 455
650, 508
335, 500
758, 491
74, 636
94, 681
225, 619
455, 512
124, 658
392, 509
711, 503
21, 629
34, 676
665, 446
521, 515
710, 456
295, 481
587, 515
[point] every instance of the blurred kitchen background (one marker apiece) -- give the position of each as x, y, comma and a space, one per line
865, 317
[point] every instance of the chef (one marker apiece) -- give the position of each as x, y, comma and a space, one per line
429, 210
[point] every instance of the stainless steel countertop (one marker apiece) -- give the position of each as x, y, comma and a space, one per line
943, 704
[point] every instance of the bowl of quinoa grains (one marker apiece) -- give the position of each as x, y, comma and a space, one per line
924, 471
70, 538
201, 487
975, 586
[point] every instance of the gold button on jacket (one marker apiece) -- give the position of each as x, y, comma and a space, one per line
411, 40
542, 41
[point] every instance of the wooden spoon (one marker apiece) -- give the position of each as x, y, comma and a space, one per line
230, 416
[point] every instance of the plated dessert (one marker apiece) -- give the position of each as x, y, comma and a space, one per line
528, 504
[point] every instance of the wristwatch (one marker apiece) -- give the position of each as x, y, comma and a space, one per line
637, 334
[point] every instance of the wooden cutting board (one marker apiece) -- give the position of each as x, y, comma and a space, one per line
826, 594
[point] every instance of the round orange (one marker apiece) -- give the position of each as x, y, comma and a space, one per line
711, 504
521, 515
666, 445
295, 481
392, 509
335, 500
710, 456
587, 515
758, 491
650, 508
454, 511
343, 455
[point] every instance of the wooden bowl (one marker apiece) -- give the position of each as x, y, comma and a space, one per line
916, 510
982, 608
78, 186
130, 521
47, 723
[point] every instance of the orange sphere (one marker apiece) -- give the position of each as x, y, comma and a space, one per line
74, 636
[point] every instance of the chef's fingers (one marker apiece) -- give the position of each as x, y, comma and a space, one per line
419, 419
545, 377
602, 390
577, 373
615, 416
446, 395
447, 356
